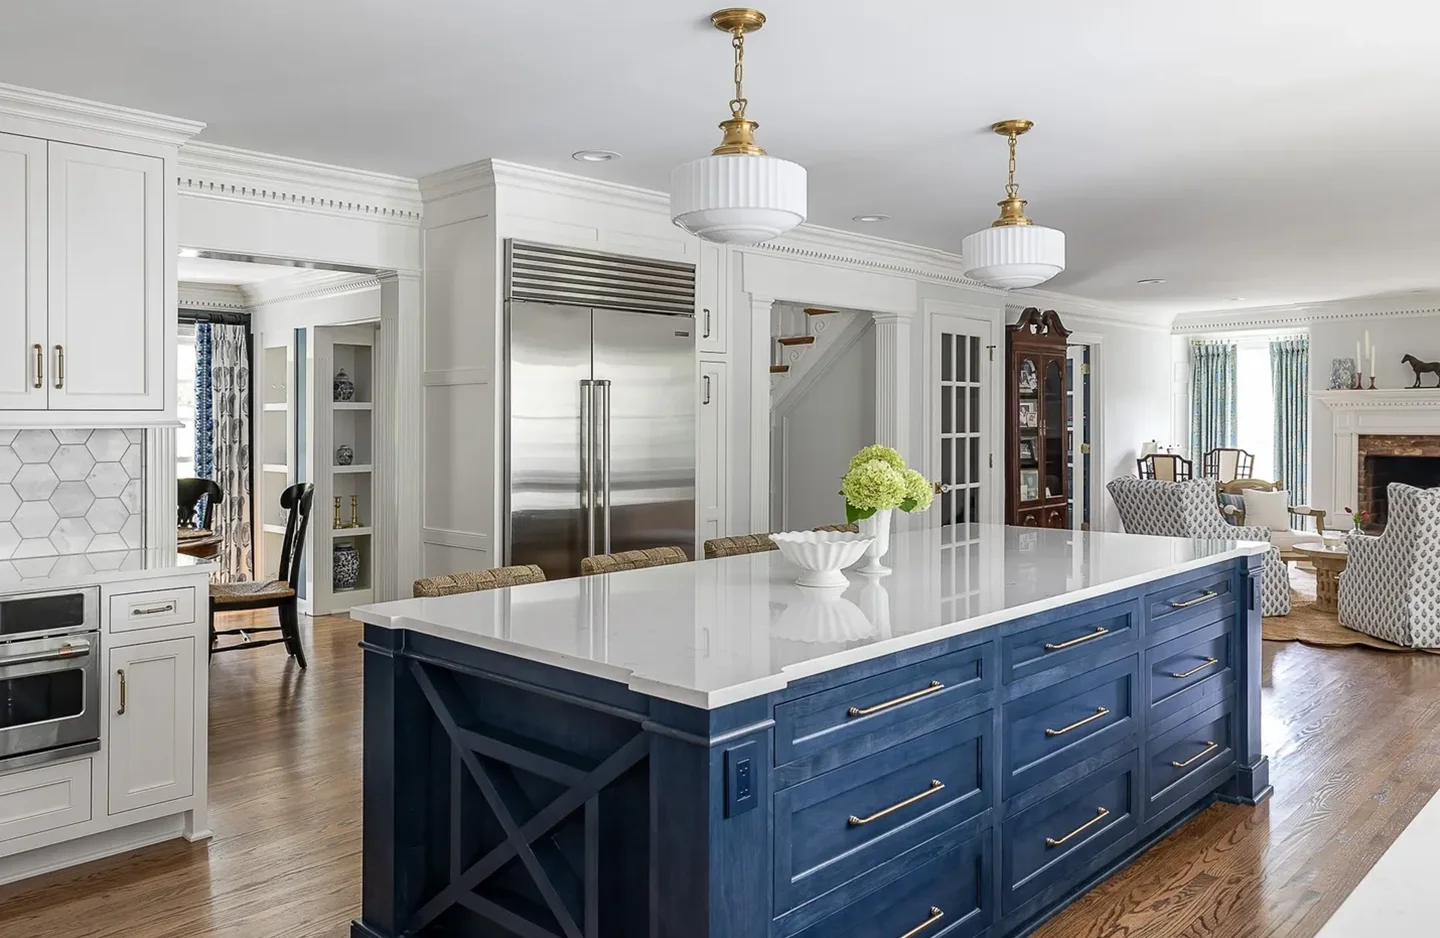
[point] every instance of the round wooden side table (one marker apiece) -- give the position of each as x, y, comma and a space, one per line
1329, 563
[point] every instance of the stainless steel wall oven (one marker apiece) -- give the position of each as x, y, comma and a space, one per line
49, 676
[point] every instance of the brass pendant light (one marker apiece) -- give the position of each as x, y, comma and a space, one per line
1013, 252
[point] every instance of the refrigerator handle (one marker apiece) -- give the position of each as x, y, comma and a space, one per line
587, 463
604, 424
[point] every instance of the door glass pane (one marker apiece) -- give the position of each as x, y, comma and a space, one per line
959, 440
1054, 429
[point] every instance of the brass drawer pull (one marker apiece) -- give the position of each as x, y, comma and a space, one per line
1078, 641
39, 365
1099, 713
866, 711
935, 916
1204, 597
153, 610
1209, 662
935, 785
1100, 815
59, 366
1210, 746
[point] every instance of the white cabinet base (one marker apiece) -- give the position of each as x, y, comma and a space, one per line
108, 843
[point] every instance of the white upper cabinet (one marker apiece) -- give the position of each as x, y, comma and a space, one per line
106, 280
22, 273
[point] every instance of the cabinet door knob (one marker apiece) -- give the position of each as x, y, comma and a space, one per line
59, 366
123, 690
39, 365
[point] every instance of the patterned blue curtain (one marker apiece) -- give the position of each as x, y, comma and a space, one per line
1290, 383
230, 444
1212, 397
204, 409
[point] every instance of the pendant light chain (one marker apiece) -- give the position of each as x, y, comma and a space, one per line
1010, 188
738, 103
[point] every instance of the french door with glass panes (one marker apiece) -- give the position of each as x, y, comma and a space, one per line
961, 448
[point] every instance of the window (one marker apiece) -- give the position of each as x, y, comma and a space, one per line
1255, 414
185, 403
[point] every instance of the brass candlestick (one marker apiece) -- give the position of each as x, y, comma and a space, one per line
337, 525
354, 511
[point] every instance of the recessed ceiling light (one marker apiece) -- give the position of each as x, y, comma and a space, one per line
1151, 281
595, 156
1236, 299
871, 218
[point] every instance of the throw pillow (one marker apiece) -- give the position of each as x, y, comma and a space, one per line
1268, 509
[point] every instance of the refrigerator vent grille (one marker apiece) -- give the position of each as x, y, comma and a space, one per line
544, 274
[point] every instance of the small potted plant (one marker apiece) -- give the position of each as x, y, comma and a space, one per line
877, 483
1358, 520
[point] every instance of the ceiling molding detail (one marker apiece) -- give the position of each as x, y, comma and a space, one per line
1379, 399
215, 297
834, 246
309, 285
1299, 315
1070, 307
95, 116
211, 171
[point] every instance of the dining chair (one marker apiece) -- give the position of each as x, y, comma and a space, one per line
475, 581
1226, 464
278, 594
632, 560
758, 543
1166, 467
188, 495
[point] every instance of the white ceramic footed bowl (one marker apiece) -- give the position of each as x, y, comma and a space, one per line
821, 554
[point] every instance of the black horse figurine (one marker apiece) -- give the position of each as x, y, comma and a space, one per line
1423, 368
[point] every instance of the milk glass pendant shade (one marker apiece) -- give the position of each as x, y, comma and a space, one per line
738, 194
1013, 252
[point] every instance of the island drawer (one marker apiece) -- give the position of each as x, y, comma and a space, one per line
834, 727
1187, 669
1064, 724
1184, 603
837, 826
948, 897
1187, 755
151, 609
1055, 840
1063, 642
45, 798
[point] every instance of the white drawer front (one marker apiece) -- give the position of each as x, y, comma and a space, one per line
152, 608
45, 798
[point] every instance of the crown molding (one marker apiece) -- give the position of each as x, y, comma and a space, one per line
1379, 400
1072, 307
211, 171
833, 246
216, 297
309, 285
492, 173
95, 116
1300, 315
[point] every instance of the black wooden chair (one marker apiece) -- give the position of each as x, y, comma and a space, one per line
280, 594
188, 494
1165, 466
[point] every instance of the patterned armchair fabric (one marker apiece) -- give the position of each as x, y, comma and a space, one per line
1189, 509
1391, 584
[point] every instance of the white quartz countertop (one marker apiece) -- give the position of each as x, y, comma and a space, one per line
67, 570
715, 632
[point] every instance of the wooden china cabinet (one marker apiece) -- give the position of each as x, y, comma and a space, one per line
1036, 470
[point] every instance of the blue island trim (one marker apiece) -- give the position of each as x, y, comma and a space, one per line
972, 787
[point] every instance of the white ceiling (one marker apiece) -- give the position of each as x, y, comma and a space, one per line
1276, 150
235, 273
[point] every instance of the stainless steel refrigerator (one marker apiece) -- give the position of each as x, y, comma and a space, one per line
600, 405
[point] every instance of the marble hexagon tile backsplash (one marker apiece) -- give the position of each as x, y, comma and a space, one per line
70, 491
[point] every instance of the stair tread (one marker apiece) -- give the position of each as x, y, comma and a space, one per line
779, 369
796, 340
812, 311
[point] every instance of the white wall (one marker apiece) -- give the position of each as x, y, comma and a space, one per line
818, 434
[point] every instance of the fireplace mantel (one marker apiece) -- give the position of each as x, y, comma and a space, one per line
1401, 412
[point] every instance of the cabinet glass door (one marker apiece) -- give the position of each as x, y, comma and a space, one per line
1053, 427
959, 418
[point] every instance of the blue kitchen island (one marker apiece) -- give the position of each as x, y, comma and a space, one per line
706, 750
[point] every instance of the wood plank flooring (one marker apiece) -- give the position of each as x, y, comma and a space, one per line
1353, 736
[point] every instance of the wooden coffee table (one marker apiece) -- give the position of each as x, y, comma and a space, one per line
1329, 564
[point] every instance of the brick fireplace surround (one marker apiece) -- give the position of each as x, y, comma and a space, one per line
1371, 490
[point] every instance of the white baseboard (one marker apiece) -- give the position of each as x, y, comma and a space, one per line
94, 847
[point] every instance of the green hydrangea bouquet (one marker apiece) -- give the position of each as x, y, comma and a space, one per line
878, 479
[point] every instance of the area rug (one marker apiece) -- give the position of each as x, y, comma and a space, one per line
1309, 625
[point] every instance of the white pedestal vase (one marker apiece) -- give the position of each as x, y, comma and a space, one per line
878, 527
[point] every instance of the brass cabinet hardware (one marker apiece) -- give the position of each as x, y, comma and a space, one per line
39, 365
1210, 746
1078, 641
935, 785
153, 610
1100, 815
707, 322
1209, 662
935, 916
1204, 597
1099, 713
123, 690
706, 398
866, 711
59, 366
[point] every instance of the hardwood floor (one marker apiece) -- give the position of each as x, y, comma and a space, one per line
1353, 736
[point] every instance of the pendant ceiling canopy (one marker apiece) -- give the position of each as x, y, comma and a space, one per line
738, 194
1013, 252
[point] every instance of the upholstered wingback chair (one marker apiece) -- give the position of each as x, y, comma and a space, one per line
1189, 509
1391, 585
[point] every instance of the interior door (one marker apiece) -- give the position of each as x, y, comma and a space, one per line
645, 401
961, 444
549, 434
23, 346
107, 274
